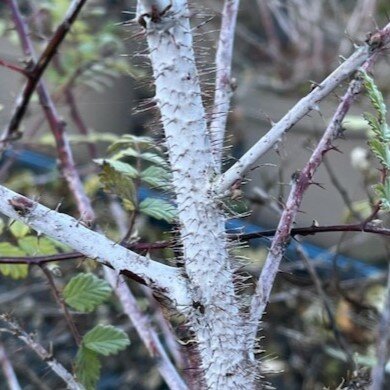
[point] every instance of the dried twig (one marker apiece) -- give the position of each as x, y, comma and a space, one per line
57, 367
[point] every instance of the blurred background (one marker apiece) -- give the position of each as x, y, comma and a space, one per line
101, 86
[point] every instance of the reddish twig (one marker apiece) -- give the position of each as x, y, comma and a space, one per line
13, 67
36, 67
300, 182
376, 44
57, 125
147, 246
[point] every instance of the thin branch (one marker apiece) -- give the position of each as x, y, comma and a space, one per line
139, 319
57, 125
13, 67
341, 190
165, 279
145, 330
325, 301
8, 370
300, 183
37, 66
57, 367
224, 85
382, 348
270, 31
62, 305
303, 107
170, 340
73, 108
146, 246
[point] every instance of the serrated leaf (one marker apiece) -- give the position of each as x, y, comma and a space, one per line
383, 191
18, 229
128, 140
87, 368
106, 340
157, 177
147, 156
118, 166
381, 151
15, 271
34, 245
85, 292
118, 183
159, 209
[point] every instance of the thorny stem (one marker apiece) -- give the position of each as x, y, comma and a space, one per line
300, 183
57, 367
61, 303
141, 321
303, 107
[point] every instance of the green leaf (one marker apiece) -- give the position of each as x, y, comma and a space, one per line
159, 209
34, 246
381, 151
87, 368
156, 177
85, 292
106, 340
15, 271
128, 140
118, 166
18, 229
383, 190
118, 183
147, 156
